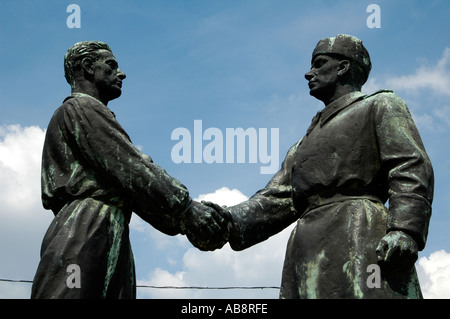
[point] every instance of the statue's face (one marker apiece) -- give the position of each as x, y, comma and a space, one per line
323, 76
107, 76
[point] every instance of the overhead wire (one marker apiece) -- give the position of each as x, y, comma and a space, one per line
166, 287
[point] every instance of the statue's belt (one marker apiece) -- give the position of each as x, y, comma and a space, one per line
316, 201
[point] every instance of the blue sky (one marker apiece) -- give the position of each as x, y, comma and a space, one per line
229, 64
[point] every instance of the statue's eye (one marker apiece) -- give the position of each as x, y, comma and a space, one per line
319, 62
112, 64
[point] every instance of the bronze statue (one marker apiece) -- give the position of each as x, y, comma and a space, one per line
93, 178
359, 152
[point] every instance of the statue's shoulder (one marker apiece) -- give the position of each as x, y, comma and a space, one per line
388, 101
80, 102
380, 93
387, 97
291, 152
82, 98
294, 147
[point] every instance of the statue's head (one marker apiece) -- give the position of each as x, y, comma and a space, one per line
338, 60
91, 65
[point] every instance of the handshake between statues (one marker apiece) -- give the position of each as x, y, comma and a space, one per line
206, 227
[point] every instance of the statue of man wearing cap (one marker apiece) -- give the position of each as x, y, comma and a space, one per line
360, 152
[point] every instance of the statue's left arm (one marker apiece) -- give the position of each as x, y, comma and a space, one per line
409, 175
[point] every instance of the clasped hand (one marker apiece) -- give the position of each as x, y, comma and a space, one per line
206, 228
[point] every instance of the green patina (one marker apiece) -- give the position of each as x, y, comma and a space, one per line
349, 268
116, 227
313, 271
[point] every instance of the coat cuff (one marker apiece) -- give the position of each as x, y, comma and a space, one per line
411, 214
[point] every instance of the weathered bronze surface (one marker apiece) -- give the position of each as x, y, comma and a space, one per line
359, 152
93, 178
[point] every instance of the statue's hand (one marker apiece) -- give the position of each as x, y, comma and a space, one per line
219, 209
205, 228
397, 251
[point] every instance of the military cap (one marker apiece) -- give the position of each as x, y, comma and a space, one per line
347, 46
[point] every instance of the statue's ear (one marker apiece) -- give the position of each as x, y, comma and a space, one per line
344, 66
87, 65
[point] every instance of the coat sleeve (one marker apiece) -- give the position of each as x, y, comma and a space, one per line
267, 212
156, 197
407, 168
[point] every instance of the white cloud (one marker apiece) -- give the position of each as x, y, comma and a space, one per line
434, 275
223, 196
435, 78
23, 220
20, 160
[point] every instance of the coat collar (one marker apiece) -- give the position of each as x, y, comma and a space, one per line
79, 94
334, 107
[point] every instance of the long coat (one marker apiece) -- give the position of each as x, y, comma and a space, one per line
359, 152
93, 177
